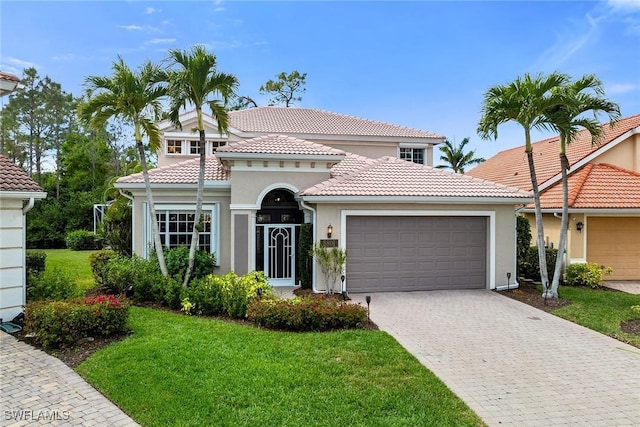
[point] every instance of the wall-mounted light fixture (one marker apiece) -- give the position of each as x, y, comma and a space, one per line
579, 226
329, 231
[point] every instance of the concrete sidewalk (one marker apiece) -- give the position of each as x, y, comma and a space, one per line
513, 364
38, 389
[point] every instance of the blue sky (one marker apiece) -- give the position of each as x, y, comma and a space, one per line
423, 64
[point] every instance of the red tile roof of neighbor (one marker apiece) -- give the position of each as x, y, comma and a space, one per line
14, 178
279, 144
390, 176
596, 186
310, 121
10, 77
510, 167
181, 173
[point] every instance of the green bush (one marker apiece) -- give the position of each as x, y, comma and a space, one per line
64, 323
238, 292
587, 274
116, 226
171, 291
531, 265
82, 240
177, 260
307, 314
36, 261
523, 232
305, 260
99, 262
52, 284
206, 295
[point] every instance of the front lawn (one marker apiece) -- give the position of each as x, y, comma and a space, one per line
73, 263
601, 310
182, 370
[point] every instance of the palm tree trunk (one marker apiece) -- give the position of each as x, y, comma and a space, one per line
196, 219
542, 258
562, 244
152, 209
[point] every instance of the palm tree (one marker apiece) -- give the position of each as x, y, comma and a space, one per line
455, 157
582, 96
193, 81
134, 97
525, 101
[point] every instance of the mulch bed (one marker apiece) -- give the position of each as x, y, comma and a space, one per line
529, 294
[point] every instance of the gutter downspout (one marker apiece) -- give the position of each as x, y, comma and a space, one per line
26, 208
313, 223
125, 195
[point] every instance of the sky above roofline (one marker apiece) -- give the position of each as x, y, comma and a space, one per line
424, 64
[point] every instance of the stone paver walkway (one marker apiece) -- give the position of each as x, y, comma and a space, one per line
38, 389
515, 365
628, 286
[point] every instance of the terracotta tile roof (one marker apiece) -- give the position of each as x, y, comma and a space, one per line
390, 176
596, 186
10, 77
14, 178
351, 163
181, 173
510, 167
309, 121
279, 144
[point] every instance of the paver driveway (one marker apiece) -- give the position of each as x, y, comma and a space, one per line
514, 364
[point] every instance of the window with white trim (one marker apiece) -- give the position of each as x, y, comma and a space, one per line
194, 147
217, 144
175, 225
174, 146
415, 155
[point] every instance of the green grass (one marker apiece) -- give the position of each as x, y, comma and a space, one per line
600, 310
182, 370
73, 263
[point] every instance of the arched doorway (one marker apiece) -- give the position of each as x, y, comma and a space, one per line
277, 232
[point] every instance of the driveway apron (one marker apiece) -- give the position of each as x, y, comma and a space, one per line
38, 389
511, 363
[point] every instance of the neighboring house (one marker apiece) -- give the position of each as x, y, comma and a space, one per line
8, 83
18, 193
604, 194
405, 226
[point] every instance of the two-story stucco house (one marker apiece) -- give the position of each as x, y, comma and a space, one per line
364, 185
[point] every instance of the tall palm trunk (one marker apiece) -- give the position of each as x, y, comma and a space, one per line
562, 244
196, 220
542, 258
152, 207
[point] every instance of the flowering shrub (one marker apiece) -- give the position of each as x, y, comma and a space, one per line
238, 292
587, 274
306, 314
64, 323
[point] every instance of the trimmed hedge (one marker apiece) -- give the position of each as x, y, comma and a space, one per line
54, 284
65, 323
307, 314
587, 274
35, 261
531, 265
82, 240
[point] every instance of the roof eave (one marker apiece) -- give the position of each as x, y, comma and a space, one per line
434, 140
619, 211
475, 200
279, 156
22, 194
208, 184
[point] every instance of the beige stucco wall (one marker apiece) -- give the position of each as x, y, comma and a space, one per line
503, 259
626, 154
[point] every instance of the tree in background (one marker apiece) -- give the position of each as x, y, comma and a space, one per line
194, 80
242, 103
455, 158
285, 88
580, 97
525, 101
135, 97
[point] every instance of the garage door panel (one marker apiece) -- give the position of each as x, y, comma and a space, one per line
416, 253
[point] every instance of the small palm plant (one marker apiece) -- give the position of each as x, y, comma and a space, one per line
332, 262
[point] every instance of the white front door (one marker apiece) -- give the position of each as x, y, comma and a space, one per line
280, 254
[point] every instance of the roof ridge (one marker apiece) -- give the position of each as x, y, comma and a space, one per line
582, 178
619, 168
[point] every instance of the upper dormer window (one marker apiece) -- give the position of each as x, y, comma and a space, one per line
217, 144
415, 155
194, 147
174, 146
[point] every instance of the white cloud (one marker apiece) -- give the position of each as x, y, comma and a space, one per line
131, 27
151, 10
625, 5
619, 88
219, 9
161, 41
16, 62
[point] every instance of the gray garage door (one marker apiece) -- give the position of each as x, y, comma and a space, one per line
415, 253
